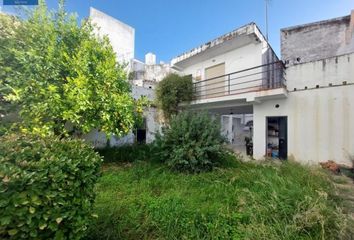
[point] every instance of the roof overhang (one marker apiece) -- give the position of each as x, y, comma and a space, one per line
238, 38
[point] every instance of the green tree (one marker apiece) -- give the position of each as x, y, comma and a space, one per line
61, 73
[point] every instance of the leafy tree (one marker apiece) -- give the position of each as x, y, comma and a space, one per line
172, 91
7, 25
61, 73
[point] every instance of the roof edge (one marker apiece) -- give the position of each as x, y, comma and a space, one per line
212, 43
315, 23
93, 10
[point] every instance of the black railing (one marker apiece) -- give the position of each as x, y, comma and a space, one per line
259, 78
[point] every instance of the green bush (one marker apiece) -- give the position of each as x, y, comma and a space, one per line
46, 187
192, 142
126, 153
172, 91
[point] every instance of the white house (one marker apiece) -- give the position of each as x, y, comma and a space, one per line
302, 109
231, 73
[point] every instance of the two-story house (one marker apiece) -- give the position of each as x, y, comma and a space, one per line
231, 74
301, 107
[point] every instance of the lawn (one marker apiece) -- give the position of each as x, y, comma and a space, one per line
144, 200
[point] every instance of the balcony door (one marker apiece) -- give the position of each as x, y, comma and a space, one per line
215, 87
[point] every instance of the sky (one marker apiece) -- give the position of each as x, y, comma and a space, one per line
169, 28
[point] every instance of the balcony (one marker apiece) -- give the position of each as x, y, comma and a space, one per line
252, 84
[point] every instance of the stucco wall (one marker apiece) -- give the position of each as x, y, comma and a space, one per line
320, 120
121, 35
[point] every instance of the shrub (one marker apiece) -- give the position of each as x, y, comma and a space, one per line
172, 91
192, 142
126, 153
46, 187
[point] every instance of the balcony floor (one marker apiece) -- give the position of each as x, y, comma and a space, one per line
241, 99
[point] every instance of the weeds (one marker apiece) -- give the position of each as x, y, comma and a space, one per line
126, 153
244, 201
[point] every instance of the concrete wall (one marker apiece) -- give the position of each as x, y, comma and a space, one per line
320, 120
121, 35
318, 40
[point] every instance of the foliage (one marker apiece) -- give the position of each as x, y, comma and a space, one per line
172, 91
192, 142
7, 25
247, 201
46, 187
60, 72
126, 153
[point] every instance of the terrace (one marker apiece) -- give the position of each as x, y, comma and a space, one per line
243, 87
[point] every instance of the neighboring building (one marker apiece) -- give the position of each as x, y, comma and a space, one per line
121, 35
309, 116
319, 108
319, 40
148, 74
122, 38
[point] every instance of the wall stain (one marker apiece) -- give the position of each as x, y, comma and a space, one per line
317, 126
330, 126
346, 120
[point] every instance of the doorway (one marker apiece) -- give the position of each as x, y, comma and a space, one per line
277, 137
141, 133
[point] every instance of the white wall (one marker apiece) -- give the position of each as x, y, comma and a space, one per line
121, 35
320, 121
333, 70
238, 59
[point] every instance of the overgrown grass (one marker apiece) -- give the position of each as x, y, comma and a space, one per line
246, 201
126, 153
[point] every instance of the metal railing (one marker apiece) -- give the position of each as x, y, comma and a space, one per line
259, 78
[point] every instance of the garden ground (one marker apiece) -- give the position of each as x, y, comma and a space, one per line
143, 200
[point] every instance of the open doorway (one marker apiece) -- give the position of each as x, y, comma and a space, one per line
277, 137
141, 133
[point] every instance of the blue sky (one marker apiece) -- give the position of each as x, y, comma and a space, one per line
169, 28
